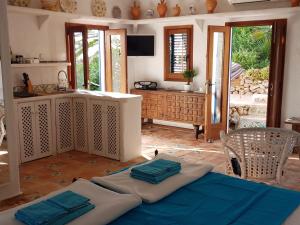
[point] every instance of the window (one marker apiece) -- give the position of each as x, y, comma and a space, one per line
85, 47
178, 51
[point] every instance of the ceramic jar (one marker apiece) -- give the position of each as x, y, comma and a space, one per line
176, 10
135, 11
211, 5
295, 3
162, 8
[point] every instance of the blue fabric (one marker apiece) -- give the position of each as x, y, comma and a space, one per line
156, 171
69, 200
40, 213
58, 210
217, 199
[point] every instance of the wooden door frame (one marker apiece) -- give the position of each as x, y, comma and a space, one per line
70, 28
277, 61
210, 134
108, 77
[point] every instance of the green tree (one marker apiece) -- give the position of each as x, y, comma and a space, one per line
251, 46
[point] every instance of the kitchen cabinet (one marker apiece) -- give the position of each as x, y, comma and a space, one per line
64, 124
80, 124
101, 123
105, 128
35, 130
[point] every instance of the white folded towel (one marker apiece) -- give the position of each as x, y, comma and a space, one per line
123, 183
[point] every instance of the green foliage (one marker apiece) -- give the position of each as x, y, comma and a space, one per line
189, 75
259, 74
251, 46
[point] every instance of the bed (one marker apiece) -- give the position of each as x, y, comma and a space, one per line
212, 199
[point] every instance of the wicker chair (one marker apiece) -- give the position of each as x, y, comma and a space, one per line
260, 152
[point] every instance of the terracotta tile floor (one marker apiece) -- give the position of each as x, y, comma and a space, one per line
45, 175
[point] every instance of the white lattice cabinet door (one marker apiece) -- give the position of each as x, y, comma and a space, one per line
112, 129
43, 128
96, 127
64, 124
80, 124
27, 131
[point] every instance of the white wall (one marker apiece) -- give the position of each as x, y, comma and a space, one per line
291, 90
151, 68
28, 40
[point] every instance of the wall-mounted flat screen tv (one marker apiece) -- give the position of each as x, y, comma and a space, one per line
140, 45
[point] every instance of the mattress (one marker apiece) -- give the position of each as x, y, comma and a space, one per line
217, 199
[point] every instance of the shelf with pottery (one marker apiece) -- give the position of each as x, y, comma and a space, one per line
43, 15
50, 64
278, 12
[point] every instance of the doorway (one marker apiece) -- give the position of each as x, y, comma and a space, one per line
249, 76
221, 71
98, 58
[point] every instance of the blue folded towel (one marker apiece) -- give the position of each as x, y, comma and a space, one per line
156, 171
155, 180
57, 210
69, 200
73, 215
40, 213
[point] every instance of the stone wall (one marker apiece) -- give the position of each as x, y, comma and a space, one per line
248, 86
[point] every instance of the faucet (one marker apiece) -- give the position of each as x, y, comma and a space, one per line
62, 81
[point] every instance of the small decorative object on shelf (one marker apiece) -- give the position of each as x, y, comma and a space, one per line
98, 8
295, 3
52, 5
135, 11
68, 6
192, 10
150, 13
211, 5
22, 3
162, 8
189, 75
116, 12
176, 10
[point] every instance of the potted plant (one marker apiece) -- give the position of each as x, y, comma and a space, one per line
189, 75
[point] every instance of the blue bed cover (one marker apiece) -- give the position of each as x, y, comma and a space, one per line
217, 199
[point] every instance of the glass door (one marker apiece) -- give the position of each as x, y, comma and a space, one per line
217, 81
116, 61
86, 53
96, 60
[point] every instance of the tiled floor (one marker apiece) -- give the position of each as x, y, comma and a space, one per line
43, 176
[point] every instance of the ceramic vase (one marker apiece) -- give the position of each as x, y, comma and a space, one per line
176, 10
135, 11
211, 5
162, 8
295, 3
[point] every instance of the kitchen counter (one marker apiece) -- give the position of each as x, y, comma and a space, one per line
101, 123
79, 93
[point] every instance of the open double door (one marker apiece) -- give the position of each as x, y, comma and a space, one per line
218, 78
98, 56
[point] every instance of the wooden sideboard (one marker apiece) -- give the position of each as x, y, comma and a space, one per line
176, 106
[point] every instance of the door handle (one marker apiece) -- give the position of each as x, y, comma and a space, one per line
208, 86
271, 88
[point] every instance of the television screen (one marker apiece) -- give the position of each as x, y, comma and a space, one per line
140, 45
